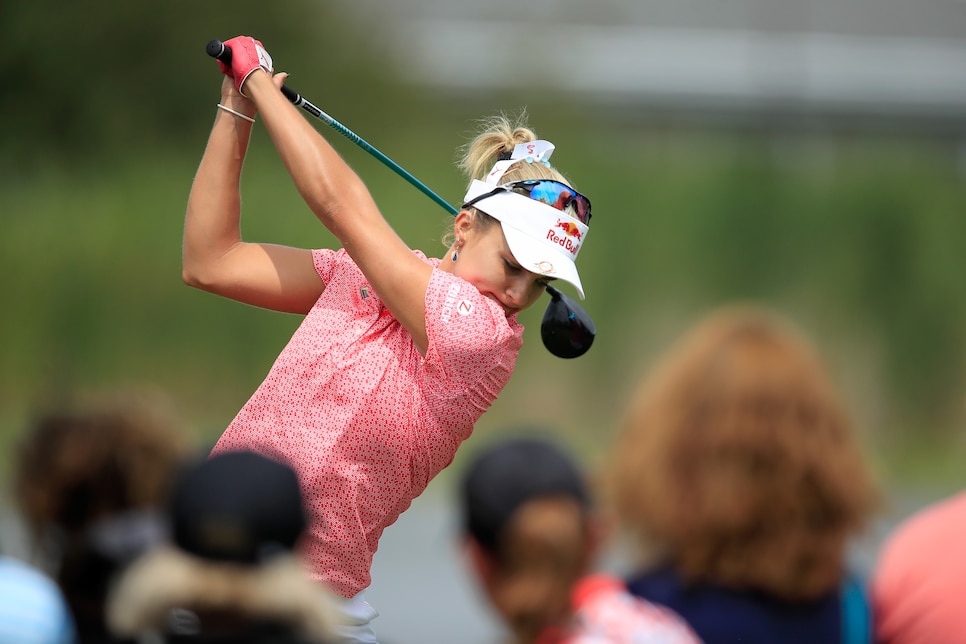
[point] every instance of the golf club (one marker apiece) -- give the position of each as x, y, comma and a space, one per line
566, 329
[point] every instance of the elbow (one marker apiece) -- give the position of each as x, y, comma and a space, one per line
190, 278
199, 265
205, 269
195, 275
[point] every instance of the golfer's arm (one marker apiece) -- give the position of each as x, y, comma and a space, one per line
331, 189
214, 257
341, 201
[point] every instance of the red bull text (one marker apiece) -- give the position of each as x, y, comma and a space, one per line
568, 240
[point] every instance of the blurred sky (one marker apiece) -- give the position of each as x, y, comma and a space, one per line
828, 58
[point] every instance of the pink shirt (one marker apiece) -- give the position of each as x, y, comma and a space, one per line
605, 613
919, 583
365, 420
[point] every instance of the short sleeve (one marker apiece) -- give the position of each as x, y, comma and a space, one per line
461, 321
472, 342
325, 260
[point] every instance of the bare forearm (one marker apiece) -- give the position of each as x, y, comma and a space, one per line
330, 188
212, 219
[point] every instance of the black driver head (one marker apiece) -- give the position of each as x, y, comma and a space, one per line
566, 329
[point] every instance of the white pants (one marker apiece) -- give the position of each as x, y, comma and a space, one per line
356, 615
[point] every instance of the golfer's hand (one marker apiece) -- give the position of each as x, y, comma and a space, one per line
247, 56
228, 92
231, 97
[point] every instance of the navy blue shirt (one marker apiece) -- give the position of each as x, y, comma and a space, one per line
723, 616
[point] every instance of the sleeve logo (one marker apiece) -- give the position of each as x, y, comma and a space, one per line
462, 306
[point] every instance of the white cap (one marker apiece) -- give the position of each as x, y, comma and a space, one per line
543, 240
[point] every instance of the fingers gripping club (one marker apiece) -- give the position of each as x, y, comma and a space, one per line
218, 50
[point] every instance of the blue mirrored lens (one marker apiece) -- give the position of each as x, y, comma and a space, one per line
553, 194
559, 196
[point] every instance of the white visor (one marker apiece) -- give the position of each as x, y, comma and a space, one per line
543, 240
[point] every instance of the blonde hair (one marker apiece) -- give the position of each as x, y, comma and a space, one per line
498, 136
738, 459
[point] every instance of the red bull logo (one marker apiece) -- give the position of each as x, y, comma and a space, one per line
569, 240
569, 227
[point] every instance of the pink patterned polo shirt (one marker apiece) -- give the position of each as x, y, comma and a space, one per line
367, 421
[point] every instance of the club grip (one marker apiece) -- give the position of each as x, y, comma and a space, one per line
217, 49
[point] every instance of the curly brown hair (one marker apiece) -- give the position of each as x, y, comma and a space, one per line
94, 458
738, 460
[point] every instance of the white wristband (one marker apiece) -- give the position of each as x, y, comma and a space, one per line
238, 114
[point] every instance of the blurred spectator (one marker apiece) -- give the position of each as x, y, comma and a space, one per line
739, 475
230, 573
88, 480
919, 582
32, 608
532, 537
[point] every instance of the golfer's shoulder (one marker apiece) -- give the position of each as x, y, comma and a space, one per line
457, 313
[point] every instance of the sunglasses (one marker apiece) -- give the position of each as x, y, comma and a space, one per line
553, 193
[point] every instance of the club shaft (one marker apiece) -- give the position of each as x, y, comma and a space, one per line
299, 101
217, 49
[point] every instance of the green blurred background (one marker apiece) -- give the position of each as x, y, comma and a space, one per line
853, 232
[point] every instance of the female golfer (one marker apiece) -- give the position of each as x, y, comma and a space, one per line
399, 354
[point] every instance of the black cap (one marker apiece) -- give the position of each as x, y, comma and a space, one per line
237, 506
504, 476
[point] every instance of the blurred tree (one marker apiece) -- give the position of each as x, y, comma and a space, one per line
106, 77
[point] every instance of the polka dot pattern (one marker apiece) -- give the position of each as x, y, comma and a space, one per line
366, 420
